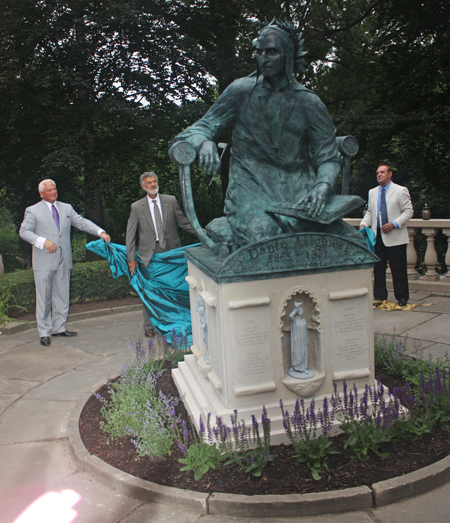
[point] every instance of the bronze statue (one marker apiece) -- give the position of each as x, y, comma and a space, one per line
284, 148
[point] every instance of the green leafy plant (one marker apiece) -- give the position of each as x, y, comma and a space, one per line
367, 422
244, 446
364, 437
7, 302
251, 462
314, 452
135, 409
428, 408
411, 427
301, 429
199, 456
391, 354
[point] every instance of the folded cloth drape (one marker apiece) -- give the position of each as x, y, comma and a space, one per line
161, 286
370, 238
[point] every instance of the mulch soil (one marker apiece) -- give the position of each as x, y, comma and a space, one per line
286, 476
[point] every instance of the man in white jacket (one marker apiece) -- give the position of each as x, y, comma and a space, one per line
389, 210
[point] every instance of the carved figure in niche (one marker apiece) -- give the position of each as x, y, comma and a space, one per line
284, 147
201, 310
299, 345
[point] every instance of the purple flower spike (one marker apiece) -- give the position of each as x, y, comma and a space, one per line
202, 427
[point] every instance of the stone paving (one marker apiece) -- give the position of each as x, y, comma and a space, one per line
40, 386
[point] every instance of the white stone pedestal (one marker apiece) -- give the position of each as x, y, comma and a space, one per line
248, 343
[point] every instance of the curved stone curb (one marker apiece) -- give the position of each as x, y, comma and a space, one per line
291, 505
412, 484
196, 502
235, 505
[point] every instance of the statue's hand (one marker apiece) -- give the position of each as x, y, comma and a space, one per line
208, 156
314, 201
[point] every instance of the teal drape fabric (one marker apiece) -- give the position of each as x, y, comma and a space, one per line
161, 286
370, 238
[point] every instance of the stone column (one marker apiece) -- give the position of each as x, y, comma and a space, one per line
447, 254
412, 255
431, 258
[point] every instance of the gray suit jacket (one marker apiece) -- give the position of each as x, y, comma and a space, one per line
141, 220
38, 221
399, 209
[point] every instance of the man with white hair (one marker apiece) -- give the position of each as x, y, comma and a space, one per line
47, 226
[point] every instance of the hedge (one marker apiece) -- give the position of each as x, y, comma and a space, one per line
89, 281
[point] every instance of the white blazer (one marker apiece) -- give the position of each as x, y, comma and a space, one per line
399, 209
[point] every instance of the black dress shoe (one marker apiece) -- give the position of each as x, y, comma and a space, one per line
402, 303
66, 334
45, 341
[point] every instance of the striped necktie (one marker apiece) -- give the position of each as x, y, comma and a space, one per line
159, 226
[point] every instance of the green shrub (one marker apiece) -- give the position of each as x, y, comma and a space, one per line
89, 281
135, 409
21, 286
9, 242
391, 354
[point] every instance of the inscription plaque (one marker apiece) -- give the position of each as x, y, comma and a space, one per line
250, 335
350, 336
284, 255
299, 251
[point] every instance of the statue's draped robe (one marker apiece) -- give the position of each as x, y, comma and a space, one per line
279, 141
299, 342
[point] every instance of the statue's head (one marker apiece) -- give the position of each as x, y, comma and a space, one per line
291, 45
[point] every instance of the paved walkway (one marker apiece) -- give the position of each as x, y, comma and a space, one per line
39, 387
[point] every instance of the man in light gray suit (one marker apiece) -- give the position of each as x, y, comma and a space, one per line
47, 226
155, 217
389, 210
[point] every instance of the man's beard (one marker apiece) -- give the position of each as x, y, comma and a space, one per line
153, 191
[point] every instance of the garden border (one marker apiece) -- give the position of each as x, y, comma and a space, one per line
235, 505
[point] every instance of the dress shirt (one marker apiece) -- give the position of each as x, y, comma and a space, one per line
40, 241
152, 211
386, 188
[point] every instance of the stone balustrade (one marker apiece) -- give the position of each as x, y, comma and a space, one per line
430, 281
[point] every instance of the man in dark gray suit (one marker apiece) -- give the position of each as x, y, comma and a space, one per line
47, 226
155, 217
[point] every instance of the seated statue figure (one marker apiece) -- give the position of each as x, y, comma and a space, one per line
284, 147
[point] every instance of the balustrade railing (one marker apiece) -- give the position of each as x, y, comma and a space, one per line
427, 279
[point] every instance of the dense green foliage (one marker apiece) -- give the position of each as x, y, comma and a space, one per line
89, 281
391, 354
10, 245
135, 409
91, 93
